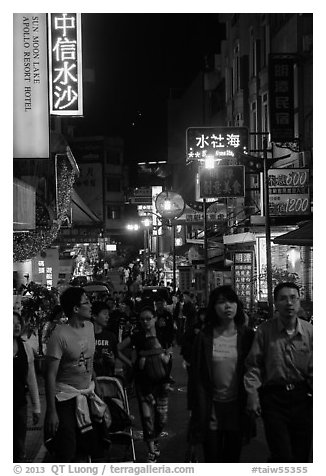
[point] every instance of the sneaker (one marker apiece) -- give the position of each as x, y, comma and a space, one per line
151, 457
157, 450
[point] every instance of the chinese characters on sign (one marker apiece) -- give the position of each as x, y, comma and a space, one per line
288, 192
281, 98
65, 64
222, 182
185, 277
243, 271
218, 142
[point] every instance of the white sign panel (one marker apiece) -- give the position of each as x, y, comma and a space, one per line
30, 86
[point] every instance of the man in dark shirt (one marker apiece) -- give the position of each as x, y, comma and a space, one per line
189, 311
164, 323
279, 378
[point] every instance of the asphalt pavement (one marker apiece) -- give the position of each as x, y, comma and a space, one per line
173, 439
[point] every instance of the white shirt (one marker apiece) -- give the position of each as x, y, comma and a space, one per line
225, 379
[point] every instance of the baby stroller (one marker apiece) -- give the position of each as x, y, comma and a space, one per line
120, 434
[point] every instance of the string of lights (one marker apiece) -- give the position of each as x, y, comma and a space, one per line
26, 245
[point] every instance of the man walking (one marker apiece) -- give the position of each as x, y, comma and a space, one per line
279, 378
69, 379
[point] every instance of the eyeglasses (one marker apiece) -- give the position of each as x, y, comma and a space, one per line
288, 298
146, 319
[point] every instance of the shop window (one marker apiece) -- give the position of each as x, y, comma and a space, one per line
113, 184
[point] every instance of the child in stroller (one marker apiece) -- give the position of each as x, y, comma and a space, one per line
114, 394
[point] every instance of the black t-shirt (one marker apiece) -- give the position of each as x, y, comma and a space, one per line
164, 328
105, 353
157, 371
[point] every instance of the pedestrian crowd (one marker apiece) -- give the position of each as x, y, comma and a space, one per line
235, 374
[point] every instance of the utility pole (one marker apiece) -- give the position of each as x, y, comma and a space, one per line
174, 262
146, 246
267, 233
267, 217
205, 250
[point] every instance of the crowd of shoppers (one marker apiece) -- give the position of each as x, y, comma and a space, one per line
235, 374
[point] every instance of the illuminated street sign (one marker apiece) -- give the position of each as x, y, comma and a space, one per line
216, 142
288, 192
65, 64
224, 181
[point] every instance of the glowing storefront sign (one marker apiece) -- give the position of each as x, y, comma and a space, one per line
65, 64
222, 182
215, 142
288, 192
30, 87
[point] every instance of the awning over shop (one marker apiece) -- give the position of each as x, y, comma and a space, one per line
81, 213
302, 236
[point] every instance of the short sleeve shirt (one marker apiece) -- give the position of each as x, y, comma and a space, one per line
75, 348
224, 368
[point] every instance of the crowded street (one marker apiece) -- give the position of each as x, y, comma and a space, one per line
174, 440
163, 239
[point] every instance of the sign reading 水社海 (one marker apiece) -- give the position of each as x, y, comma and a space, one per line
281, 87
217, 142
65, 64
224, 181
288, 192
30, 87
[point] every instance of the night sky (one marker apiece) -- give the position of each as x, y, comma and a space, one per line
137, 58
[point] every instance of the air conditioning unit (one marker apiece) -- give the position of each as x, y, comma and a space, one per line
304, 159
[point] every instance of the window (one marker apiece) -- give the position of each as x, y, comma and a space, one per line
253, 125
113, 157
236, 69
265, 45
113, 212
264, 114
113, 184
253, 53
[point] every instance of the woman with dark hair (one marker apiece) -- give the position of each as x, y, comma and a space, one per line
152, 369
217, 397
24, 380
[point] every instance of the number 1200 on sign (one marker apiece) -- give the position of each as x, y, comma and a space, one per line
289, 205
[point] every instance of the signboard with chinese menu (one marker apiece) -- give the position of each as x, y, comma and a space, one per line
218, 142
281, 90
222, 182
30, 87
185, 278
65, 64
288, 192
243, 276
